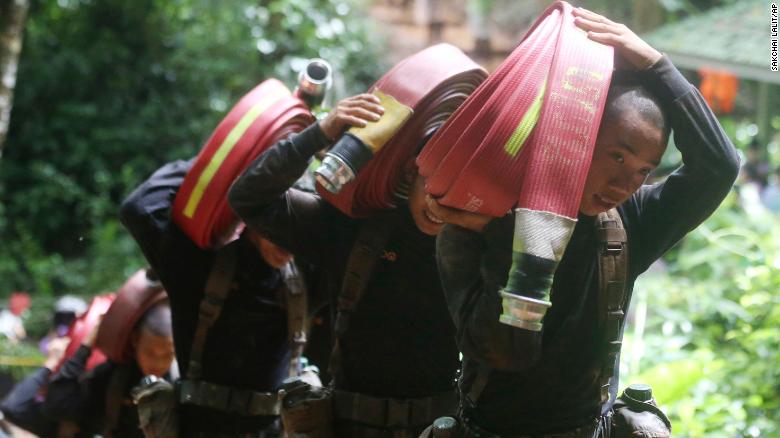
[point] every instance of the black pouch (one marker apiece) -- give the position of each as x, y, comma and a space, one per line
636, 414
156, 402
306, 410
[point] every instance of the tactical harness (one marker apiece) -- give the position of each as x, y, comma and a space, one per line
612, 266
195, 391
375, 411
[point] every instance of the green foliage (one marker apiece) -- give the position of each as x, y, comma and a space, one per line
109, 90
19, 359
712, 339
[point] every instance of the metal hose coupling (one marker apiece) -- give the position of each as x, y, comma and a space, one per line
358, 145
314, 81
539, 242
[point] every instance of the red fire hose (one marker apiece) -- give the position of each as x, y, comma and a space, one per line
133, 299
433, 82
525, 138
264, 116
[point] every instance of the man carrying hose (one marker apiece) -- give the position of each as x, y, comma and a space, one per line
395, 362
562, 380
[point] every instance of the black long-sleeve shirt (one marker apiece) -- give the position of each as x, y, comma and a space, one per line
23, 405
400, 341
247, 347
79, 396
549, 381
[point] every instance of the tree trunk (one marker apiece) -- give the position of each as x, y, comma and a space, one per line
12, 17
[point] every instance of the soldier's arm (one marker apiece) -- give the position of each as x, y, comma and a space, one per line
67, 394
20, 405
263, 195
666, 211
474, 267
658, 216
146, 212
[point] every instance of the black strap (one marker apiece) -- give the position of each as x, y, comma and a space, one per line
296, 301
217, 289
226, 399
365, 253
115, 396
481, 377
613, 272
391, 412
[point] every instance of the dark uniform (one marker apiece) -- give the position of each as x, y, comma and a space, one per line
92, 398
24, 404
548, 381
400, 340
247, 347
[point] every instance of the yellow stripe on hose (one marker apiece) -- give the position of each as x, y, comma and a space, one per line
527, 124
227, 145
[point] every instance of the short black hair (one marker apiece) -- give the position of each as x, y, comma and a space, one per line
157, 320
627, 93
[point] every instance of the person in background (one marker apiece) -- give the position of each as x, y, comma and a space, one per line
98, 402
562, 381
246, 352
23, 405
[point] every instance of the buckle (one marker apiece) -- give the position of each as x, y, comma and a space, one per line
613, 248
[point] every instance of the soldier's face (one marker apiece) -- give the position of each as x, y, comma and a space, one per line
627, 149
154, 354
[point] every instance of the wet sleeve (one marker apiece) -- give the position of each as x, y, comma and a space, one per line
20, 405
661, 214
264, 199
474, 268
146, 212
68, 395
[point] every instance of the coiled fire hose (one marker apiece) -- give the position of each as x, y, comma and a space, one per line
525, 139
419, 94
267, 114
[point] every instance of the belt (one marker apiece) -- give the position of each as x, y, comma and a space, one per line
227, 399
595, 429
392, 412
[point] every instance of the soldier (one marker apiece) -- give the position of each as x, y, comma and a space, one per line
232, 368
395, 356
23, 405
562, 381
98, 401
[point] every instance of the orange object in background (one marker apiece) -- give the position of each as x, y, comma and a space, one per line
82, 326
18, 302
719, 88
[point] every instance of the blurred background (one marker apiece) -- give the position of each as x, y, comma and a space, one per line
102, 92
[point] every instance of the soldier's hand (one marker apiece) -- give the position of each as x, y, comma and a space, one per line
89, 340
352, 111
55, 350
629, 48
466, 219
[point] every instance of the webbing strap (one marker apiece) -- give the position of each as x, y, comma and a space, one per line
365, 253
217, 289
296, 302
612, 263
392, 412
114, 398
227, 399
481, 377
